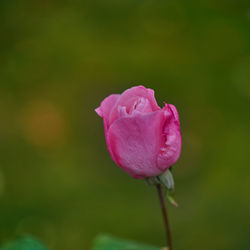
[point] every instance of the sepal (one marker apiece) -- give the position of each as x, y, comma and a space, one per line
167, 180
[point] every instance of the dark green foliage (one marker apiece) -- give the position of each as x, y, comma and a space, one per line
106, 242
24, 243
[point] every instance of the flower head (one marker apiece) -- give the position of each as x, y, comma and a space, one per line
142, 138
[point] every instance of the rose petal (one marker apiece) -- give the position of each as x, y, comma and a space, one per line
107, 106
104, 111
171, 148
135, 142
130, 96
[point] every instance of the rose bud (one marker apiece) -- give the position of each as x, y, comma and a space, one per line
142, 138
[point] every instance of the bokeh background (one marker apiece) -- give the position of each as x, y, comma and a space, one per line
59, 59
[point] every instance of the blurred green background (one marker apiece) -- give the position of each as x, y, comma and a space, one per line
59, 59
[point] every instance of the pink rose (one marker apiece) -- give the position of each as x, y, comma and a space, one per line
143, 139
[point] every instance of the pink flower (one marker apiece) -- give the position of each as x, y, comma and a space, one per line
143, 139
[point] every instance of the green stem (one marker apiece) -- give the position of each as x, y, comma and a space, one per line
165, 216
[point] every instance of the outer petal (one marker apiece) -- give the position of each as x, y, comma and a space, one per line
104, 111
129, 96
107, 106
135, 142
171, 148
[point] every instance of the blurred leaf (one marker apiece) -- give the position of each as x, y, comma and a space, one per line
24, 243
106, 242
